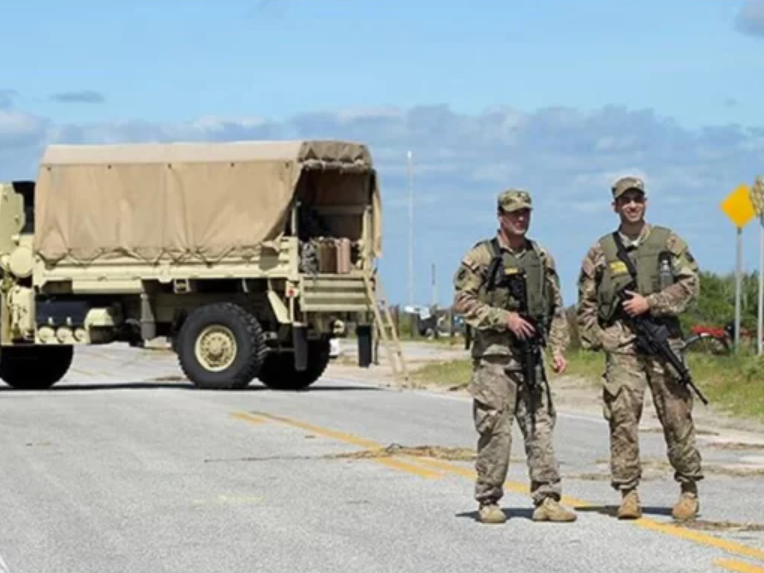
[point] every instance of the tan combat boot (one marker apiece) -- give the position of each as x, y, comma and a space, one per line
630, 507
551, 510
490, 512
688, 505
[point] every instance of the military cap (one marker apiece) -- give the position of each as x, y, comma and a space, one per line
626, 184
514, 200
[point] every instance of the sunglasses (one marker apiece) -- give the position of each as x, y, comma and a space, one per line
626, 199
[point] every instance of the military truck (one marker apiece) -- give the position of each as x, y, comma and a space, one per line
247, 256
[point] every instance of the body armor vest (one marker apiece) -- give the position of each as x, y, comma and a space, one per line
506, 265
647, 258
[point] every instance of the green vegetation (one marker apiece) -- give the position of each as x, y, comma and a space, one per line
449, 373
716, 304
733, 383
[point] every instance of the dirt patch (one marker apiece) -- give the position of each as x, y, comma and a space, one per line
588, 477
659, 430
736, 471
434, 452
703, 525
653, 469
734, 446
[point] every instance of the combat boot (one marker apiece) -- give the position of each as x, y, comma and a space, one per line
688, 505
551, 510
630, 507
490, 512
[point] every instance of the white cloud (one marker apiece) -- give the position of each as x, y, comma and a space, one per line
750, 19
20, 128
568, 159
82, 96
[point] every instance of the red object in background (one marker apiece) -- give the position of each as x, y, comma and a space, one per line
719, 331
711, 330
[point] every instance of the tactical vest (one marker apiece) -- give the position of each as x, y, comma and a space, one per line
540, 297
615, 276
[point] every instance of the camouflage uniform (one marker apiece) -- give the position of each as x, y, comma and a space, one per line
628, 374
497, 384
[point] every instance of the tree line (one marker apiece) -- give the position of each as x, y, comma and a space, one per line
715, 306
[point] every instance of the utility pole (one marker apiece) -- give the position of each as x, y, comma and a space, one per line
434, 288
411, 230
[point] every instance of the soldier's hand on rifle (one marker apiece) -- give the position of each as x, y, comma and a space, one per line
559, 364
636, 305
520, 327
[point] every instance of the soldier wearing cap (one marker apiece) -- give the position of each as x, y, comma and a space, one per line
666, 282
499, 390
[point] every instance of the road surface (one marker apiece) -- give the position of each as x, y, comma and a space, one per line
124, 466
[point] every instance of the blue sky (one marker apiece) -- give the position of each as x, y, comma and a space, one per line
557, 96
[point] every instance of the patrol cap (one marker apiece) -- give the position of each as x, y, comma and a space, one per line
514, 200
627, 184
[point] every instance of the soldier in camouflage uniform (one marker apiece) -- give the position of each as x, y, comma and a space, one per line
498, 387
667, 281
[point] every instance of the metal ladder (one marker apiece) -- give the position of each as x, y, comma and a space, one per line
385, 327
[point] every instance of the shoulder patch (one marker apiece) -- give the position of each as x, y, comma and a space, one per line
675, 243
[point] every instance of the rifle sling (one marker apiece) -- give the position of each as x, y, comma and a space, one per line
624, 256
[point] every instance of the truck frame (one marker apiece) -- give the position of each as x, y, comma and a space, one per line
248, 256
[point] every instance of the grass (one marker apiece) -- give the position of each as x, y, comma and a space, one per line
457, 373
450, 373
733, 384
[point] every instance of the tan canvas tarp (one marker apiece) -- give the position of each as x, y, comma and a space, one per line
182, 201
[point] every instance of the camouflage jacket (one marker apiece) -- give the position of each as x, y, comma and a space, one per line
492, 335
671, 301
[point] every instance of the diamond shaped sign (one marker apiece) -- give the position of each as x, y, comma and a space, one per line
739, 207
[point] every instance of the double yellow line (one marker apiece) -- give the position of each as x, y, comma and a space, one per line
434, 469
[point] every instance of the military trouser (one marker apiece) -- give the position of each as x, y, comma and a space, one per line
499, 396
626, 378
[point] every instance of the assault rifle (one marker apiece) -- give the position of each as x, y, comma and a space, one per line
652, 336
531, 349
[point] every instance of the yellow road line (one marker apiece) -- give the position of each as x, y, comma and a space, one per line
510, 485
403, 466
739, 566
249, 418
350, 439
341, 436
701, 538
517, 487
646, 523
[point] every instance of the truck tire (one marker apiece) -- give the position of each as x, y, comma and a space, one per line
279, 373
34, 367
221, 346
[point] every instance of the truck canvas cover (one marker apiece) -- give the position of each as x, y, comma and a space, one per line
189, 202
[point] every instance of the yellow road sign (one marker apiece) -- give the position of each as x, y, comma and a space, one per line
738, 206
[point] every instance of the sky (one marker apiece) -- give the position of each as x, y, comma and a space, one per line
557, 96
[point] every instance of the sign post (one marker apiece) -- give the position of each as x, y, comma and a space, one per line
740, 209
757, 198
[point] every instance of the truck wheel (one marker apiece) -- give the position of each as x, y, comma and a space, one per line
279, 373
221, 346
34, 367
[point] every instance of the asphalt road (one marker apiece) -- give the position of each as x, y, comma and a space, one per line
124, 467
